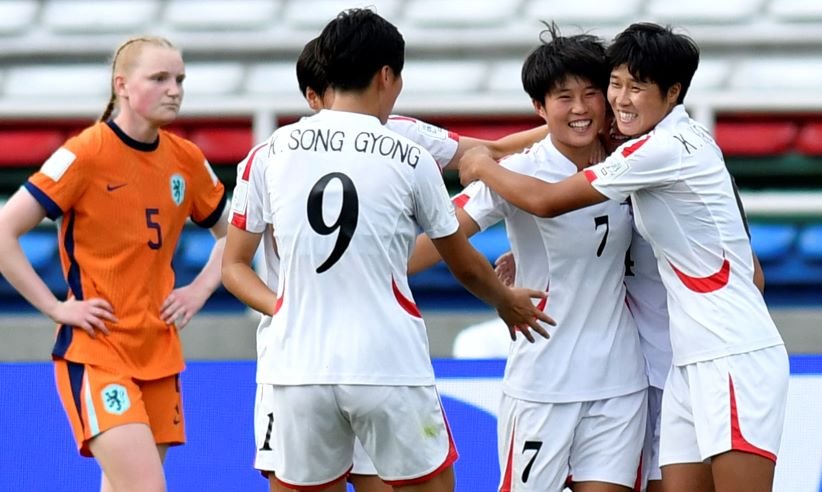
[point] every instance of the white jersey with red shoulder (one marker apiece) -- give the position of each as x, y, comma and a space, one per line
684, 205
346, 196
648, 302
441, 143
248, 207
579, 258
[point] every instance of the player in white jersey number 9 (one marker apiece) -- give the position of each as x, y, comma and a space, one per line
331, 352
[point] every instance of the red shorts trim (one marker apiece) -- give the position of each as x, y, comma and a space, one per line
450, 459
312, 488
738, 441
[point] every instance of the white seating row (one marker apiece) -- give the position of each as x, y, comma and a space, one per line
469, 76
100, 16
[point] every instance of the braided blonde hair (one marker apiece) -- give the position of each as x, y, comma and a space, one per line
123, 58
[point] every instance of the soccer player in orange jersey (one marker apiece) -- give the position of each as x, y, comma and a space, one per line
122, 190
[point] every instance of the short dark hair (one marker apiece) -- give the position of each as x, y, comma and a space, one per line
309, 71
654, 53
560, 57
354, 46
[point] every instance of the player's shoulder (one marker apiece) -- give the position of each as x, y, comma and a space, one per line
659, 143
253, 162
528, 160
418, 130
90, 142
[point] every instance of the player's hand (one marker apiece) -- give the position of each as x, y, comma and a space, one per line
519, 313
473, 162
182, 304
506, 268
88, 315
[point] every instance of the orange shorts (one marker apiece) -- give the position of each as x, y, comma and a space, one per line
96, 400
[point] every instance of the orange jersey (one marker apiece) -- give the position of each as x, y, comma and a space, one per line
122, 205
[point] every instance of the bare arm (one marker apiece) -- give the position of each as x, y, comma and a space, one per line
473, 271
184, 302
239, 277
501, 147
425, 254
759, 275
21, 214
517, 142
530, 194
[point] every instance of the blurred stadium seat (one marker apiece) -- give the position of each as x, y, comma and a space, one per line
464, 14
584, 12
17, 16
221, 15
704, 11
795, 10
99, 16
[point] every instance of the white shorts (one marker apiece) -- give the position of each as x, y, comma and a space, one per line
544, 445
263, 428
362, 462
650, 450
402, 428
730, 403
264, 457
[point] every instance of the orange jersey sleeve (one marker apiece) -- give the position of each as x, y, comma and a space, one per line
123, 205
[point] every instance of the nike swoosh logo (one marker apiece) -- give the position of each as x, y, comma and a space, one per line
115, 187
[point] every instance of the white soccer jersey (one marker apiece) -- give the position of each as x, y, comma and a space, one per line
248, 207
441, 143
684, 204
647, 300
593, 352
346, 196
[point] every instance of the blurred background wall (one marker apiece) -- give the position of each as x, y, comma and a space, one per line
757, 88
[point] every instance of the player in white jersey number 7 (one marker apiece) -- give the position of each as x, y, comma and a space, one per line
723, 406
348, 355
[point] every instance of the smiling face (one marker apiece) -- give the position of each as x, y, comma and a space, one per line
638, 105
150, 87
575, 113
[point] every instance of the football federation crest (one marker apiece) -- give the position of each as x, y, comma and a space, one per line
178, 189
115, 399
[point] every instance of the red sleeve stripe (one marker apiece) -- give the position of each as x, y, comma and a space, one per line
402, 118
460, 200
454, 136
250, 161
590, 175
238, 221
635, 146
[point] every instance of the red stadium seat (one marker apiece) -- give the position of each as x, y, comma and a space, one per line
223, 145
809, 141
491, 130
28, 147
756, 138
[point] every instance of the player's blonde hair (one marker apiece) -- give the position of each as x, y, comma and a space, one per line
124, 58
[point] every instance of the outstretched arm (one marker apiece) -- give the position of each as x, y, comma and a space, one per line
473, 271
425, 254
530, 194
501, 147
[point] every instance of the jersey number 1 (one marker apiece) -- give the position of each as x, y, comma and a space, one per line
346, 222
